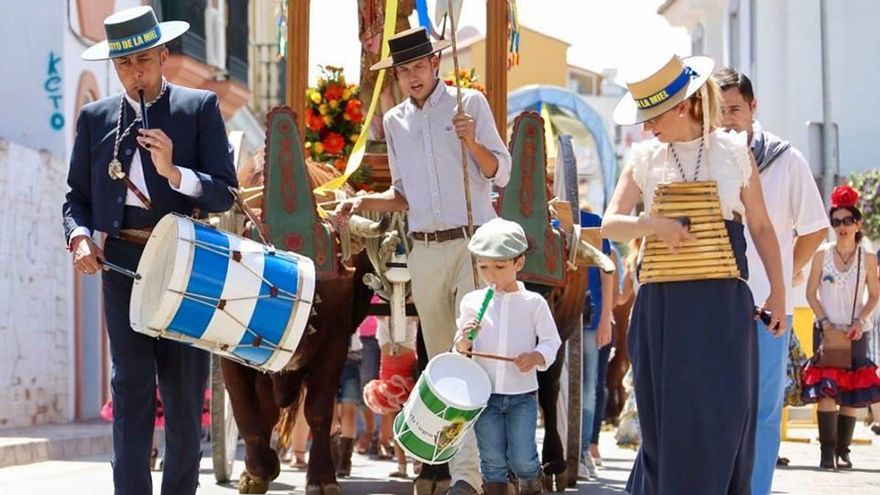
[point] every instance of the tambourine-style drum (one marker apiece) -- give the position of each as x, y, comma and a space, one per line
446, 402
223, 293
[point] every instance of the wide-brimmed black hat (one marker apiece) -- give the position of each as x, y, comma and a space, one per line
133, 30
410, 45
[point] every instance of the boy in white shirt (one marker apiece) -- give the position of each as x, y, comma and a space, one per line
516, 324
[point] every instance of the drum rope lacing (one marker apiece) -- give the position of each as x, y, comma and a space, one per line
220, 303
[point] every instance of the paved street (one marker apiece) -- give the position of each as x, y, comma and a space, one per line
91, 475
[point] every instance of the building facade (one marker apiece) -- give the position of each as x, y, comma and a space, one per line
777, 44
54, 358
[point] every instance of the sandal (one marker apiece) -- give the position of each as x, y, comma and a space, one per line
782, 461
400, 473
299, 460
362, 445
154, 460
386, 451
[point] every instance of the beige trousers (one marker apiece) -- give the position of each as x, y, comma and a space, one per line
441, 276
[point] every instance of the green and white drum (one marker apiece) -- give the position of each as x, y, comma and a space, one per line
446, 402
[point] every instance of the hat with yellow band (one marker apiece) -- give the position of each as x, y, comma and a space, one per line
666, 87
133, 30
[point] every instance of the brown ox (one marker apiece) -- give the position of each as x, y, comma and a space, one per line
257, 398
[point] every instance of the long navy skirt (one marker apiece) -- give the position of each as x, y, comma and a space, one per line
693, 347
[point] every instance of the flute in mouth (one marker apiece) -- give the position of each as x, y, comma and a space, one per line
144, 122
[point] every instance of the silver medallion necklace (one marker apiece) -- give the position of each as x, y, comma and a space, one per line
699, 160
115, 166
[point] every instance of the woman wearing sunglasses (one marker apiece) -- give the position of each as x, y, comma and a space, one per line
842, 290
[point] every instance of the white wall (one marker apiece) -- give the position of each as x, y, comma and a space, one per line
32, 33
786, 66
35, 314
788, 73
41, 66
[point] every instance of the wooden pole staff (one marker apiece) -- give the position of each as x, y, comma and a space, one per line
464, 160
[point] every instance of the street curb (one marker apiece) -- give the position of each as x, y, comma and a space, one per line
20, 446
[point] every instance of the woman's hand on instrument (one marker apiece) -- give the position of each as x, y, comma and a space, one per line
856, 330
86, 254
160, 147
528, 360
465, 128
775, 305
672, 232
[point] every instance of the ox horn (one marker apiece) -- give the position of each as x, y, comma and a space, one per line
588, 255
366, 228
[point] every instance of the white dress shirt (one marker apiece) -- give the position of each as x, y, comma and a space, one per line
514, 323
424, 155
795, 208
189, 181
190, 185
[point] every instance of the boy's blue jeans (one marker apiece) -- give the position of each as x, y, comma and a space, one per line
506, 437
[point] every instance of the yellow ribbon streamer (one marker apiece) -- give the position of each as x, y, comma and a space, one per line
549, 135
357, 152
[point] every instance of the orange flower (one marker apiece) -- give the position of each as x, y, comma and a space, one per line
314, 122
333, 92
353, 110
339, 164
334, 143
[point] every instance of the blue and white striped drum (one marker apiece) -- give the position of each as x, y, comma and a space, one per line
223, 293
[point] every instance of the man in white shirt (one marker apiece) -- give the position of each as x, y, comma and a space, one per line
799, 218
424, 135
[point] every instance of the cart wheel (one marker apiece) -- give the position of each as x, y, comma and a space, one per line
224, 431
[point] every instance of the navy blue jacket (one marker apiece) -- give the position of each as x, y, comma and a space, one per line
190, 117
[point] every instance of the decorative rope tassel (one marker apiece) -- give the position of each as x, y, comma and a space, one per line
704, 102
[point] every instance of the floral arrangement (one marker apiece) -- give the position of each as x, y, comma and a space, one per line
333, 118
468, 79
867, 184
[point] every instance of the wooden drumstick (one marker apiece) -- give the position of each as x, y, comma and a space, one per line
119, 269
487, 356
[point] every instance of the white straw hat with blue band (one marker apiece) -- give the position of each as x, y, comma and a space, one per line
675, 81
133, 30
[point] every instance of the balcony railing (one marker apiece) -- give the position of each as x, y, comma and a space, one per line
193, 44
267, 76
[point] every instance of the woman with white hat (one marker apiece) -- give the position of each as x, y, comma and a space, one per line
693, 343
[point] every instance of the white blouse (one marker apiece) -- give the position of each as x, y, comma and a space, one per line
837, 289
514, 323
725, 161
